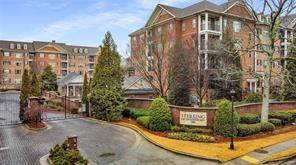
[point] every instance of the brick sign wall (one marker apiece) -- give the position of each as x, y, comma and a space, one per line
210, 112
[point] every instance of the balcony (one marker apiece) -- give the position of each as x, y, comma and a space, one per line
213, 23
213, 40
91, 59
64, 57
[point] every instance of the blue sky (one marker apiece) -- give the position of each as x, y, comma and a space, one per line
77, 22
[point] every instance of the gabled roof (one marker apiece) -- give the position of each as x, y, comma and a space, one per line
289, 21
69, 78
37, 45
128, 81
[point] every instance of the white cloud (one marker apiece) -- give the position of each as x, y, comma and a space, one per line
152, 3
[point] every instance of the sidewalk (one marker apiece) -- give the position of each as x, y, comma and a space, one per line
261, 155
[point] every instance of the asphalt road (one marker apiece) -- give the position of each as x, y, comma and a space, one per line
102, 143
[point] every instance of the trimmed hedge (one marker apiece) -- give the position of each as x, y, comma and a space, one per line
161, 117
212, 103
267, 126
285, 117
187, 136
293, 113
249, 119
222, 120
192, 130
138, 112
248, 129
254, 98
275, 122
144, 121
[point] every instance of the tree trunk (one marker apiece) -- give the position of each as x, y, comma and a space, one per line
266, 87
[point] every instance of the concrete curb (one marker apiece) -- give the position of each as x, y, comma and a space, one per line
36, 129
279, 158
165, 147
44, 160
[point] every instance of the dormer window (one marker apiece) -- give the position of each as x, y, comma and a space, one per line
85, 50
80, 50
11, 45
18, 46
25, 46
75, 50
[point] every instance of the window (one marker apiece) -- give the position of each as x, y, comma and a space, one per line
75, 50
80, 57
6, 63
18, 46
250, 36
6, 71
159, 30
18, 63
259, 31
85, 50
259, 62
52, 64
18, 71
238, 44
51, 56
135, 39
18, 55
6, 54
18, 80
266, 35
224, 23
170, 26
194, 23
25, 46
41, 55
150, 65
41, 63
183, 26
250, 54
11, 45
237, 26
80, 50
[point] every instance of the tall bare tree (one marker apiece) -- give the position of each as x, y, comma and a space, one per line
150, 59
275, 10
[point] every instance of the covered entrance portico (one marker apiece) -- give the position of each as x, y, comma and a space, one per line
71, 85
252, 85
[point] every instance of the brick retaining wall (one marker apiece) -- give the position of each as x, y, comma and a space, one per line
241, 109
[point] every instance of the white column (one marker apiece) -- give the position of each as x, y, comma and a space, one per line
255, 86
206, 60
207, 21
221, 27
67, 92
251, 86
199, 39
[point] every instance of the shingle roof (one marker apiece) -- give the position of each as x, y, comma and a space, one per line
289, 20
35, 45
128, 81
65, 80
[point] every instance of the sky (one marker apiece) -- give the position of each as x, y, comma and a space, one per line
78, 22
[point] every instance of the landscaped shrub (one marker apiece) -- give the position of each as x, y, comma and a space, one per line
62, 155
144, 121
187, 136
249, 119
138, 112
212, 103
293, 113
285, 117
126, 112
248, 129
74, 110
161, 117
254, 98
275, 122
222, 120
267, 126
192, 130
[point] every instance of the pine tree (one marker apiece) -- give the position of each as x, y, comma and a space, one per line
35, 87
25, 92
106, 92
49, 79
289, 86
85, 90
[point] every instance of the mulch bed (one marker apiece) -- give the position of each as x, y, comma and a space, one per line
33, 125
220, 139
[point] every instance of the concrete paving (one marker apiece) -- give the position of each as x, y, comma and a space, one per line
102, 143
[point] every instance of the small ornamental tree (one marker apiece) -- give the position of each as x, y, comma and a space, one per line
25, 92
161, 117
222, 120
49, 79
35, 87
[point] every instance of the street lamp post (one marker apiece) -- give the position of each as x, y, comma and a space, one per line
232, 93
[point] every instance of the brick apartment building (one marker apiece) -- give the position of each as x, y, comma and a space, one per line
206, 21
16, 56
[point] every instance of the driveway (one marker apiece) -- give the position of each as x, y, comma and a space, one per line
102, 143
